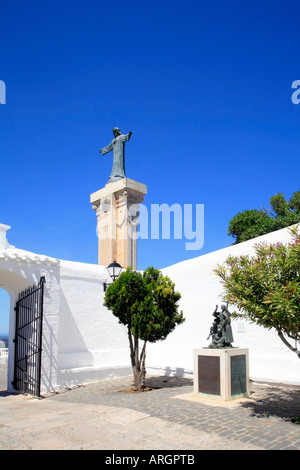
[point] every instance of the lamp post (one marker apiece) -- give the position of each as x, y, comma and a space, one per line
114, 270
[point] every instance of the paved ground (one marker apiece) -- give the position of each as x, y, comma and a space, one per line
101, 416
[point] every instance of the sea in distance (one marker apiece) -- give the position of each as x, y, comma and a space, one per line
5, 339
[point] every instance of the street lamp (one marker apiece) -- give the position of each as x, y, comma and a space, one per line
114, 270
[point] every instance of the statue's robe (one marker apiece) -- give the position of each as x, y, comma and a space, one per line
118, 147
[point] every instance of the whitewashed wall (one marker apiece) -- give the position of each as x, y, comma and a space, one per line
201, 289
92, 345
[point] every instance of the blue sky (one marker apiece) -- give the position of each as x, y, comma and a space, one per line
205, 87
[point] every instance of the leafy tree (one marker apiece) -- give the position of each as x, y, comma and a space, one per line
249, 224
148, 305
266, 287
294, 202
253, 223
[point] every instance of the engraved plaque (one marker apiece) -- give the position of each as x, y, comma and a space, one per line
238, 375
209, 374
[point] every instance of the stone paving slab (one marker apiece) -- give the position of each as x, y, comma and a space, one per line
101, 416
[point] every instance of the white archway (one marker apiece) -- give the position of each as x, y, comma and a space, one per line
13, 283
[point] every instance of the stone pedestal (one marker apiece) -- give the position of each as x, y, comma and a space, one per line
221, 374
117, 210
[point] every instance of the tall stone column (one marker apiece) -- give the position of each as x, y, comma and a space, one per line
116, 207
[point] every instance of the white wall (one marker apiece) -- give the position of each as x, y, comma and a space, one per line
91, 343
201, 290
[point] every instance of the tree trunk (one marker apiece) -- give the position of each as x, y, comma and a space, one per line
294, 349
137, 362
143, 364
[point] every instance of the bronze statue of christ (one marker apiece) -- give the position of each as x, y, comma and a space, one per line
118, 147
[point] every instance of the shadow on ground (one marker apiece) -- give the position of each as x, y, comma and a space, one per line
159, 382
280, 401
163, 381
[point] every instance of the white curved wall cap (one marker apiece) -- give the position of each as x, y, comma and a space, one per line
13, 254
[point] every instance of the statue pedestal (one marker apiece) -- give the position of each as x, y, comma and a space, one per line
116, 207
222, 374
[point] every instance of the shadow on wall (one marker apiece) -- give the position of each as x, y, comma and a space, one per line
72, 349
48, 346
74, 363
169, 372
64, 349
177, 372
168, 381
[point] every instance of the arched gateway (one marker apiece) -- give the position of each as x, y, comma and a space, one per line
22, 275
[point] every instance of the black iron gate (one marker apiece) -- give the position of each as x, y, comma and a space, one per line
28, 340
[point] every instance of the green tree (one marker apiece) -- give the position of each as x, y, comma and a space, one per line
249, 224
147, 304
266, 287
253, 223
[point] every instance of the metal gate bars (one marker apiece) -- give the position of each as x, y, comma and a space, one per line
28, 340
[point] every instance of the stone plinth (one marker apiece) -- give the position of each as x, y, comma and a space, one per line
222, 374
117, 210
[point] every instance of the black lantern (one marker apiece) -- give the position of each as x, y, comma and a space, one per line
114, 270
